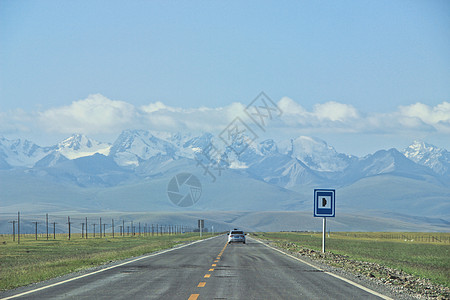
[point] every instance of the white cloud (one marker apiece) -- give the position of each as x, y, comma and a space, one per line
96, 114
290, 107
327, 115
339, 117
437, 116
335, 111
99, 115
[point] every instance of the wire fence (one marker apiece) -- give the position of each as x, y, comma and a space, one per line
423, 237
51, 228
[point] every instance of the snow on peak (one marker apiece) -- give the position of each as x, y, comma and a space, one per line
316, 154
429, 155
79, 145
132, 146
21, 153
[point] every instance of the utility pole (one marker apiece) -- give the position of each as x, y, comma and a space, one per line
18, 227
112, 221
46, 224
14, 229
68, 222
104, 229
82, 230
35, 230
100, 227
54, 230
87, 228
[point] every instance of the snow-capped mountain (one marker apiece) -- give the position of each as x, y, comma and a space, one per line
79, 145
430, 156
20, 153
23, 153
385, 162
281, 173
134, 146
316, 154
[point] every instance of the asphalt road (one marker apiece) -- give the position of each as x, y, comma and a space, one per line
210, 269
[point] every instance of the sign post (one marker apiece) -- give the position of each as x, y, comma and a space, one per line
201, 224
324, 206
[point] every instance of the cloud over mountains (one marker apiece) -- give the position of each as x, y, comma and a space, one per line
99, 115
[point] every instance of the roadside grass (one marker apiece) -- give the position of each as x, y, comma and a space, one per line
422, 259
33, 261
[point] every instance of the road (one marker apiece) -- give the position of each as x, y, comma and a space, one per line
210, 269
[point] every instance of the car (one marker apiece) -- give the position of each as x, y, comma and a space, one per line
236, 235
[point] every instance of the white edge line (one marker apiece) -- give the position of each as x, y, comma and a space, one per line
331, 274
105, 269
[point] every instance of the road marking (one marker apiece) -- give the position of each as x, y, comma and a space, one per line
202, 284
331, 274
105, 269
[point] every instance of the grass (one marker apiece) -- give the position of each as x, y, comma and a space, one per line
33, 261
423, 259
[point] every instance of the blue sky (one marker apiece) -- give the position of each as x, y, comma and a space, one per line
383, 67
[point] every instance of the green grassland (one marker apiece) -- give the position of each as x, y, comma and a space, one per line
426, 255
33, 261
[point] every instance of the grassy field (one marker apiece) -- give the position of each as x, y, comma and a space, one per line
426, 259
34, 261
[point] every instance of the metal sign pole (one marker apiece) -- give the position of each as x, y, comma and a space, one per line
324, 230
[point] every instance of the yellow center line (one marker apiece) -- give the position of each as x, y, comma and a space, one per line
202, 284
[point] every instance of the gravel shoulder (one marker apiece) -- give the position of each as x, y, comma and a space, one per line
387, 281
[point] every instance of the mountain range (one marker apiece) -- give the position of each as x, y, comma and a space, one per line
132, 174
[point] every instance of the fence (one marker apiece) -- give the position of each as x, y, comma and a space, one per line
425, 237
88, 227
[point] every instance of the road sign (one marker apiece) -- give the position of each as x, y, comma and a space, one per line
324, 204
201, 224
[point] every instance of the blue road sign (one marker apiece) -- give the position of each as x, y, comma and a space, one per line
324, 204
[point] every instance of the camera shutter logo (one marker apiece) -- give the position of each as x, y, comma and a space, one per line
184, 190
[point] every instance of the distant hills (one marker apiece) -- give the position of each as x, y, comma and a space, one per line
132, 174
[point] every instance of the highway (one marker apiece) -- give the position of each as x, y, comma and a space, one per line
209, 269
